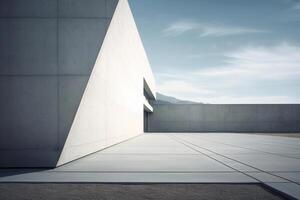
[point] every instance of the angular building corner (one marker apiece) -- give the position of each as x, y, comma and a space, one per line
111, 107
74, 79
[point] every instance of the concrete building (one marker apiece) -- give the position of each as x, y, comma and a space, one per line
73, 79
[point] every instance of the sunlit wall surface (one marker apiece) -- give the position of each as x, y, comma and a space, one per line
71, 79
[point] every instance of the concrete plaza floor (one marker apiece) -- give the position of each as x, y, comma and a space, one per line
183, 158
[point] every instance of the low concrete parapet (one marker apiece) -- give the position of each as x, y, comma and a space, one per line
224, 118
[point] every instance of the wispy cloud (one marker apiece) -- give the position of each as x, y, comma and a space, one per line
247, 99
205, 29
193, 91
276, 63
180, 27
296, 6
245, 71
181, 87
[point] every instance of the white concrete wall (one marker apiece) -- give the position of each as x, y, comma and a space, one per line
111, 109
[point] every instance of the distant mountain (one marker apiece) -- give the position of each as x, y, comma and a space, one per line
164, 99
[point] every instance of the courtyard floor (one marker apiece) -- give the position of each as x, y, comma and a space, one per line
230, 158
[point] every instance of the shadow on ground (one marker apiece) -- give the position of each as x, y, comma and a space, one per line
6, 172
13, 191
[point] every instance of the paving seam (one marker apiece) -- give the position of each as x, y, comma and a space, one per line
146, 154
172, 137
265, 184
243, 163
276, 142
238, 160
90, 154
202, 172
69, 171
232, 145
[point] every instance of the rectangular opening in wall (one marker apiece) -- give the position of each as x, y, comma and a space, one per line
148, 96
146, 121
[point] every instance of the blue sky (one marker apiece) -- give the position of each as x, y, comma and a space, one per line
223, 51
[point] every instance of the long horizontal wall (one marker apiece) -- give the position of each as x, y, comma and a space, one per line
224, 118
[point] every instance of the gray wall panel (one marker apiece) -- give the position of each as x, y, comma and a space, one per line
290, 113
79, 44
28, 46
25, 157
224, 118
28, 8
28, 112
82, 8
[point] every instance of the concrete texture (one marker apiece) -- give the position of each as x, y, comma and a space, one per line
71, 89
296, 135
291, 189
135, 191
111, 109
28, 8
33, 92
79, 44
81, 8
42, 55
48, 51
182, 158
28, 46
224, 118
